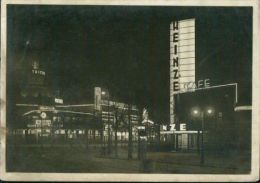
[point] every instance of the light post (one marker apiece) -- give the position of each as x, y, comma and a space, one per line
108, 122
109, 127
196, 112
103, 128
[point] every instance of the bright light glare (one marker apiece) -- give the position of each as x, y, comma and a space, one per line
195, 112
210, 111
103, 93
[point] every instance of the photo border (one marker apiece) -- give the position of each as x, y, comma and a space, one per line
253, 176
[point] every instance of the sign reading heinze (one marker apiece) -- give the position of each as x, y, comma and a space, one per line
182, 59
182, 55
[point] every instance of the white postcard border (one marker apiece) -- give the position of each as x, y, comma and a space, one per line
253, 176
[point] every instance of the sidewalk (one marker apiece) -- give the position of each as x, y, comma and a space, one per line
190, 163
77, 159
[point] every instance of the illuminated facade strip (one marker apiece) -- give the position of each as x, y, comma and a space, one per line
32, 111
243, 108
28, 105
79, 105
186, 33
186, 51
106, 119
185, 58
106, 113
186, 45
179, 132
125, 108
186, 20
72, 112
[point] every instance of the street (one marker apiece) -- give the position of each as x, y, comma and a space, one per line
65, 158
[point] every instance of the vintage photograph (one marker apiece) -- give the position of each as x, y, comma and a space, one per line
129, 89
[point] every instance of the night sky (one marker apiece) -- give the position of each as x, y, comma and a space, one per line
126, 49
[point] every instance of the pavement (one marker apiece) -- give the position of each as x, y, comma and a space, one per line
66, 158
190, 163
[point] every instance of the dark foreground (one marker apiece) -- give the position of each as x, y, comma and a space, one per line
65, 158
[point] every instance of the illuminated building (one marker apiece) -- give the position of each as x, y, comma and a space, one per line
39, 112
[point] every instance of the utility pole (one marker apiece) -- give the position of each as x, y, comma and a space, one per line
139, 139
198, 142
109, 127
158, 137
130, 139
116, 128
202, 140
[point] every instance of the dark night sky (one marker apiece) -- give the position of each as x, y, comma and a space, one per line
126, 49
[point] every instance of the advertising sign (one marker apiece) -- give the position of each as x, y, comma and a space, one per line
58, 100
182, 59
37, 76
182, 54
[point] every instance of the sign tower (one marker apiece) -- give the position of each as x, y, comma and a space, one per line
182, 60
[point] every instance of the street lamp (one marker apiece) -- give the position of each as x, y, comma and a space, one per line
109, 127
196, 112
108, 121
103, 93
209, 111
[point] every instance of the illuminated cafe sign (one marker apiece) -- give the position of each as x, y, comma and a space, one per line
191, 86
